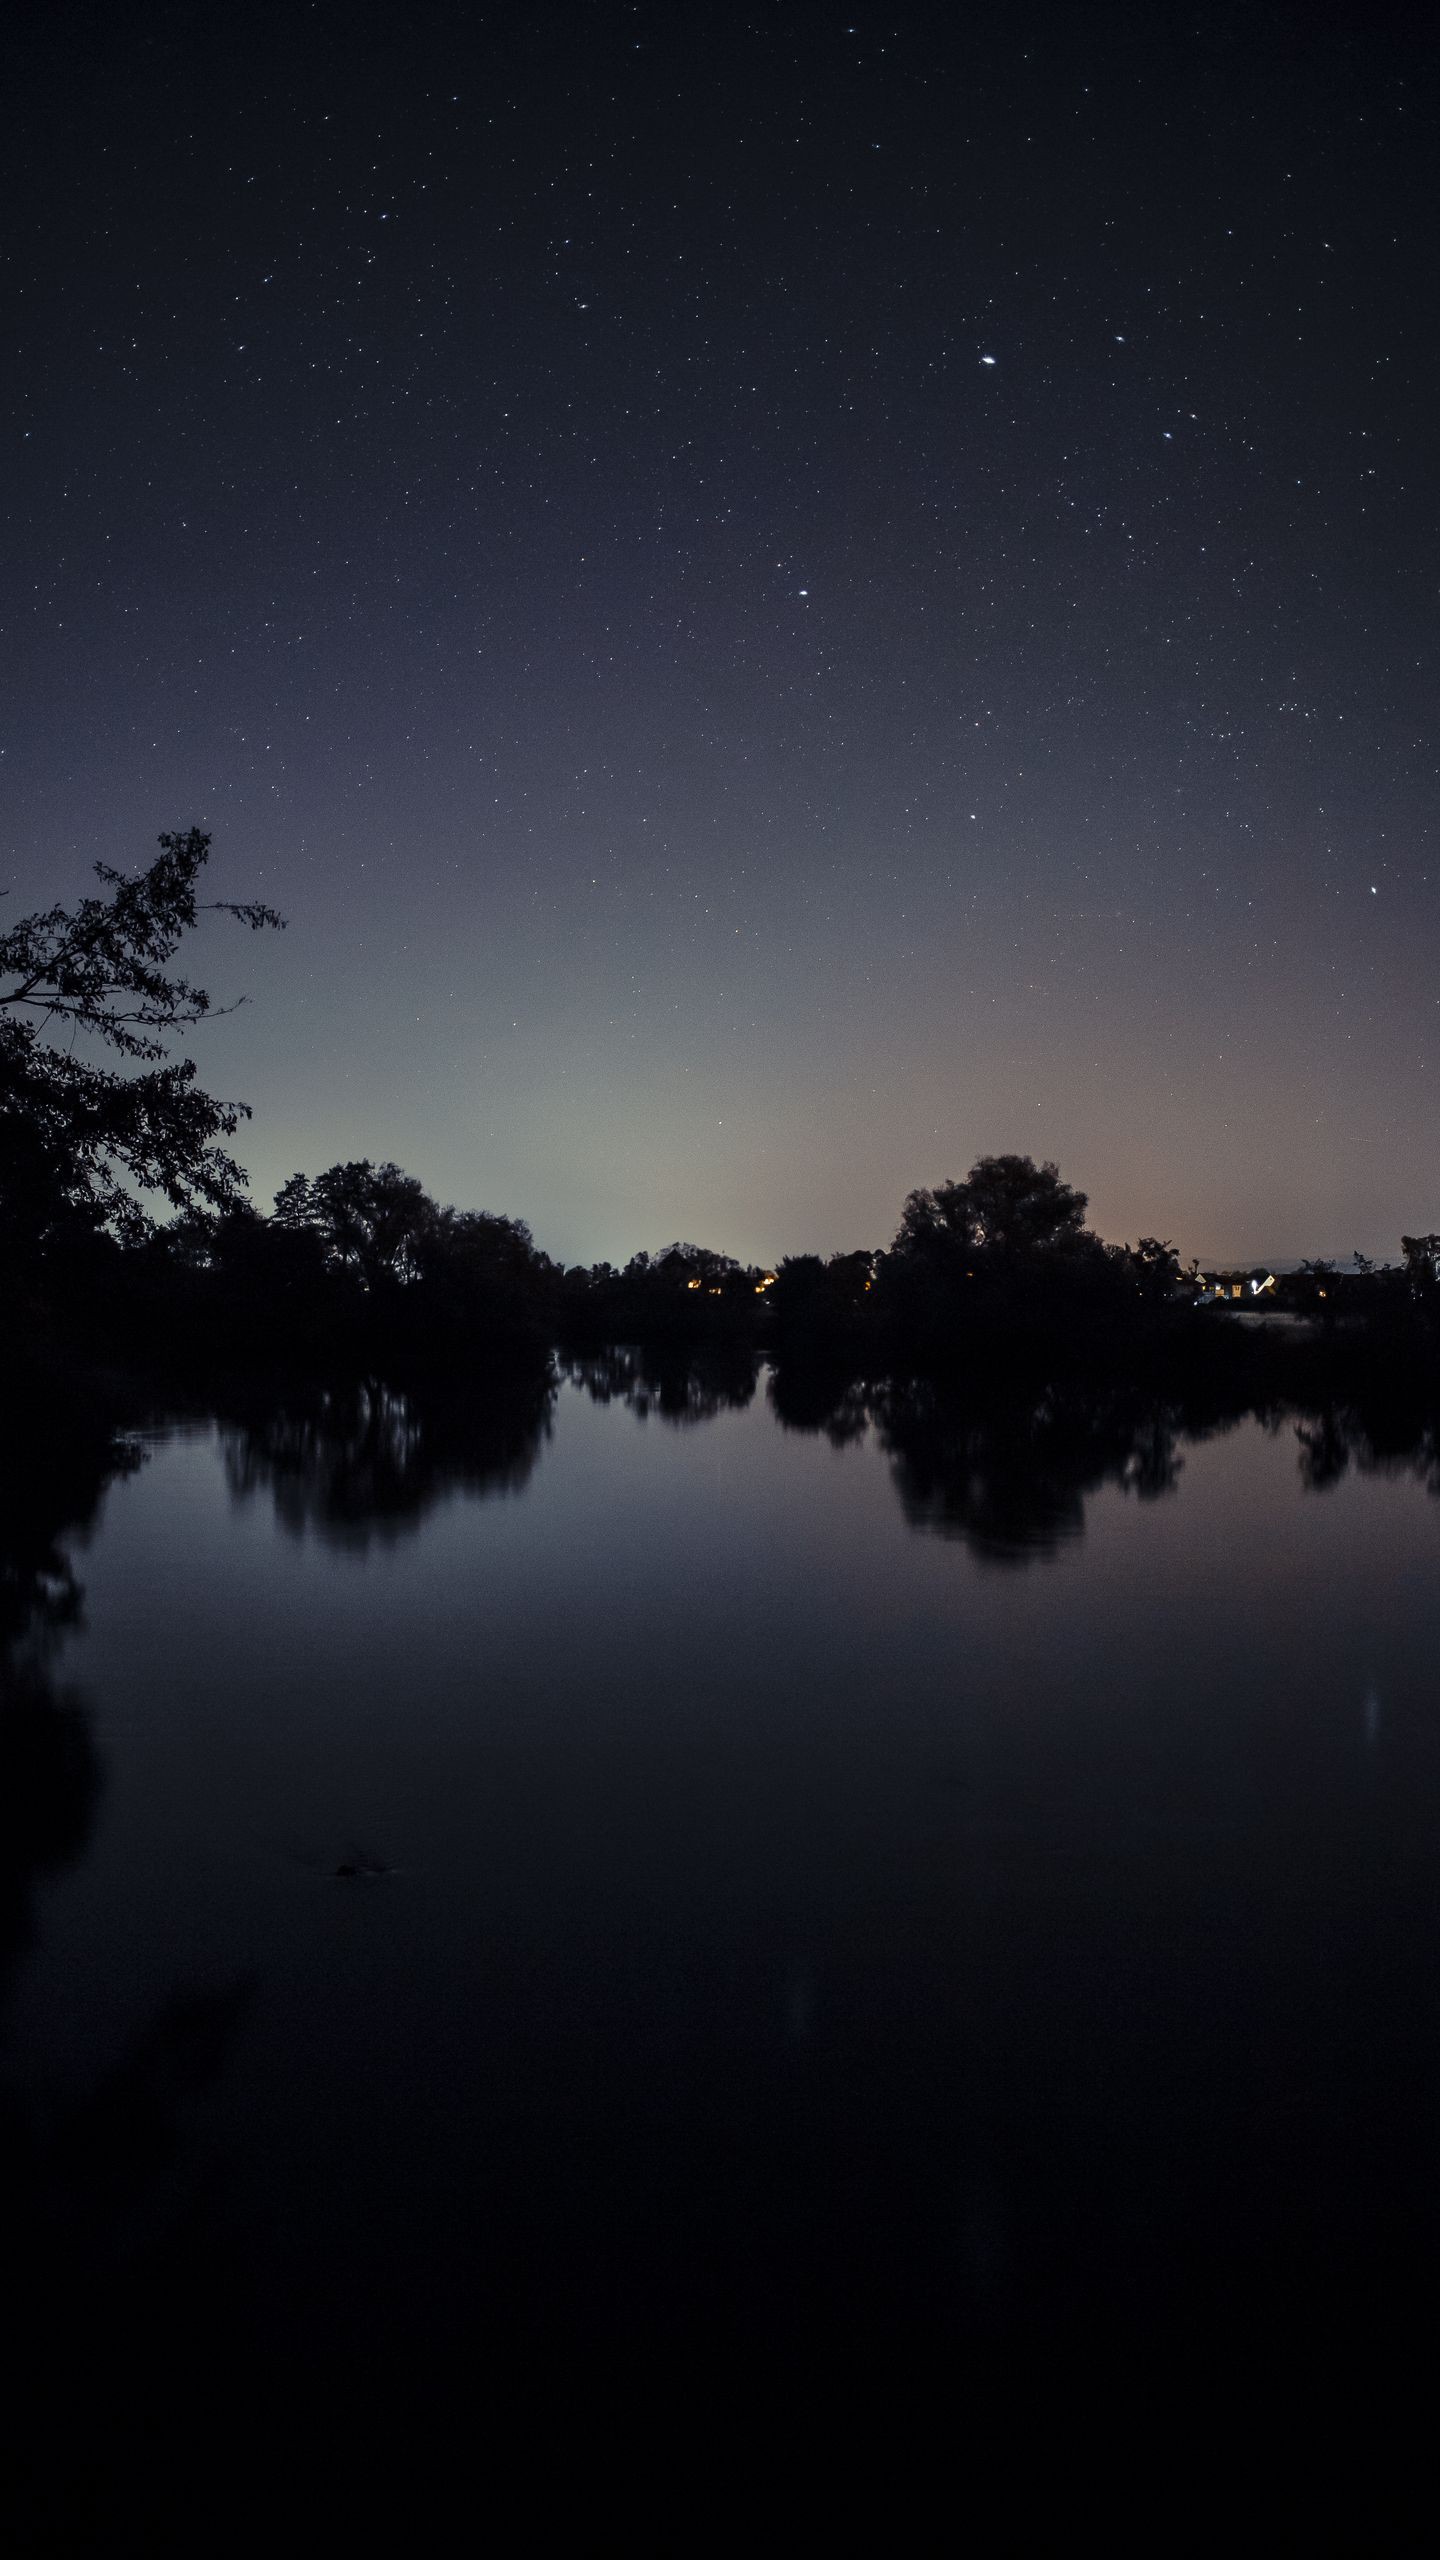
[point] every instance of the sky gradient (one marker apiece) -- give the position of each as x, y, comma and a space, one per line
783, 598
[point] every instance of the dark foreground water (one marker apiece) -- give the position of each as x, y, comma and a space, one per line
636, 1963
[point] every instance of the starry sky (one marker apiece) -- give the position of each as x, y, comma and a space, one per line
783, 596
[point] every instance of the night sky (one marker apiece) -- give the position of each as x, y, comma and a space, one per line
783, 596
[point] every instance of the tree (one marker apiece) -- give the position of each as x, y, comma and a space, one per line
483, 1269
693, 1267
82, 1144
809, 1294
1008, 1208
1006, 1251
410, 1279
1422, 1263
1314, 1286
372, 1220
1155, 1269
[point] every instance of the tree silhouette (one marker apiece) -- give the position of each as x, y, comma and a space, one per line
1007, 1250
420, 1282
1314, 1286
79, 1141
1422, 1263
821, 1297
1155, 1269
1007, 1206
370, 1219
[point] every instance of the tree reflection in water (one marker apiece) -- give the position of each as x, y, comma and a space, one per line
1379, 1439
57, 1465
101, 2240
1011, 1478
1012, 1482
367, 1463
121, 2282
830, 1402
1007, 1474
694, 1387
1008, 1471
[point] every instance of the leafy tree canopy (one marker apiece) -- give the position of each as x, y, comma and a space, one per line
1154, 1267
1422, 1260
686, 1266
1008, 1207
83, 1143
381, 1225
371, 1219
479, 1243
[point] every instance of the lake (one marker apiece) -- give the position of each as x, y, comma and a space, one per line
670, 1910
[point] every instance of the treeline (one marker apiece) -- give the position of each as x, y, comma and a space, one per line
127, 1234
359, 1271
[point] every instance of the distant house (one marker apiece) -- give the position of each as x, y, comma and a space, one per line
1253, 1288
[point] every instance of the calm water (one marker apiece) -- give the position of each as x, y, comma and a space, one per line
611, 1913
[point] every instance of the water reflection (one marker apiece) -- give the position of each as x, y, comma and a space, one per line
1008, 1472
679, 1389
787, 1954
98, 2204
1007, 1475
58, 1465
1382, 1439
49, 1789
1011, 1481
364, 1463
831, 1403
